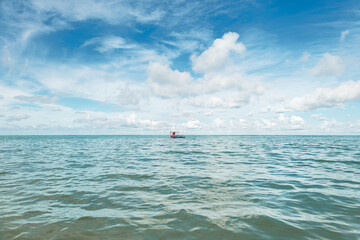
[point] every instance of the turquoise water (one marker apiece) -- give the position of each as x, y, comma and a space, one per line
200, 187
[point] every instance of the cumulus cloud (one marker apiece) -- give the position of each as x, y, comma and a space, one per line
169, 83
37, 99
326, 97
129, 95
101, 120
166, 82
108, 43
17, 117
217, 55
343, 35
221, 100
192, 124
279, 122
282, 122
98, 120
328, 65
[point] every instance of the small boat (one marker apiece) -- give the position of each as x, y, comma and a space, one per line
174, 134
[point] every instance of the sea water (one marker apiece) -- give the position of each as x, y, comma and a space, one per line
200, 187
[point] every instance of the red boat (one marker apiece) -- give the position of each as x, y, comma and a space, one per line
174, 134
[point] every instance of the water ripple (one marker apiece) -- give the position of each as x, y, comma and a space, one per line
200, 187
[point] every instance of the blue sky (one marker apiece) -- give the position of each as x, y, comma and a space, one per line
201, 67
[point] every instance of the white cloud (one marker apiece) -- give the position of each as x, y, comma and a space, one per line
232, 99
169, 83
217, 122
8, 93
280, 122
274, 124
189, 41
192, 124
326, 97
103, 82
103, 120
56, 109
184, 114
131, 95
217, 55
328, 65
319, 117
17, 117
343, 35
82, 10
305, 57
37, 99
98, 120
113, 12
145, 17
20, 23
334, 126
108, 43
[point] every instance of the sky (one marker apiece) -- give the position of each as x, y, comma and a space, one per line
198, 67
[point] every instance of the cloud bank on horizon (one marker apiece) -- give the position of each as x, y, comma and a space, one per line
146, 67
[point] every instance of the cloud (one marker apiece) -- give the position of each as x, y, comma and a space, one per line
282, 122
188, 41
102, 120
21, 21
184, 114
192, 124
217, 122
131, 95
82, 10
334, 126
37, 99
305, 57
101, 82
112, 12
318, 116
343, 35
328, 65
19, 24
169, 83
222, 100
326, 97
105, 44
9, 92
279, 122
17, 117
56, 109
217, 55
145, 17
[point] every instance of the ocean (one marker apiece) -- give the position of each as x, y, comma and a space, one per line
200, 187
